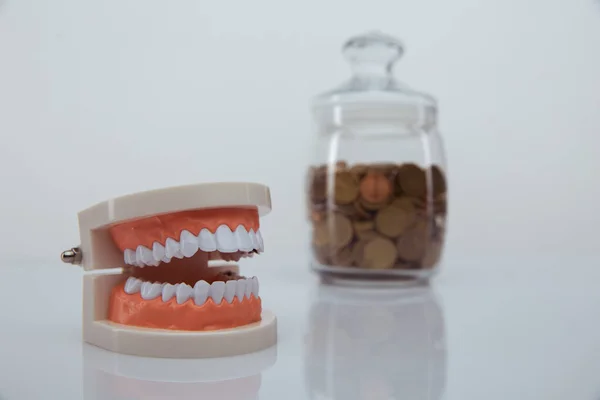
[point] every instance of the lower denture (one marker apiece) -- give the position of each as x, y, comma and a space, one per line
132, 309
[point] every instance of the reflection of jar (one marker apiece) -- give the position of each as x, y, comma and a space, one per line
374, 344
377, 187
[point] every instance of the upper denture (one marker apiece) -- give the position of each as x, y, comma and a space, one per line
160, 238
158, 228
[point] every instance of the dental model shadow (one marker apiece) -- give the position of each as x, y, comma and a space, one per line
167, 300
115, 376
371, 344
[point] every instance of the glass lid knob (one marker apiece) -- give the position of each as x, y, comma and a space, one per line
373, 54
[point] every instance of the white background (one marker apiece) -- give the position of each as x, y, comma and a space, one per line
104, 98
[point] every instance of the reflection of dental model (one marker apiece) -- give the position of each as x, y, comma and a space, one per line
166, 301
116, 376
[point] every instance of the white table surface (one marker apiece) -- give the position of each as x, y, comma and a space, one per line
507, 329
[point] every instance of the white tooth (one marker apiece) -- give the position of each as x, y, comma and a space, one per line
188, 243
139, 254
255, 286
130, 257
226, 242
259, 239
206, 241
241, 289
184, 292
242, 239
158, 251
147, 257
248, 288
253, 239
230, 289
217, 290
172, 249
132, 285
201, 289
168, 291
150, 290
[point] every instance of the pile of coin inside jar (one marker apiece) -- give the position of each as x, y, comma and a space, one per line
377, 216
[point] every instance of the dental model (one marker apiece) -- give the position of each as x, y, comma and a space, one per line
166, 299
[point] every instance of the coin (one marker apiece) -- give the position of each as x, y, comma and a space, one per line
432, 254
343, 258
438, 179
317, 186
320, 234
339, 230
403, 265
378, 253
393, 220
358, 250
366, 234
359, 170
347, 209
383, 168
412, 179
367, 205
321, 254
439, 205
405, 203
361, 211
346, 187
317, 216
363, 226
412, 243
375, 188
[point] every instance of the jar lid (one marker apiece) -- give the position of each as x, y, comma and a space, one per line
372, 93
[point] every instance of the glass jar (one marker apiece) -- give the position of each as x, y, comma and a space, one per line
376, 190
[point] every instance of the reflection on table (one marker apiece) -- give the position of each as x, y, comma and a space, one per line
109, 375
375, 344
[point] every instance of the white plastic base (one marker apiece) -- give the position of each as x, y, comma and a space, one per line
164, 343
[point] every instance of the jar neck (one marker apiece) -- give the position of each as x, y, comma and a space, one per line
372, 73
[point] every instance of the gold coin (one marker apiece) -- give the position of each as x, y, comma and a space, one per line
438, 180
364, 229
317, 185
364, 235
339, 230
413, 180
359, 170
405, 203
320, 237
403, 265
321, 254
432, 254
392, 220
367, 205
375, 188
348, 210
439, 205
317, 216
379, 253
341, 165
412, 243
343, 258
361, 211
346, 187
383, 168
358, 251
363, 226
